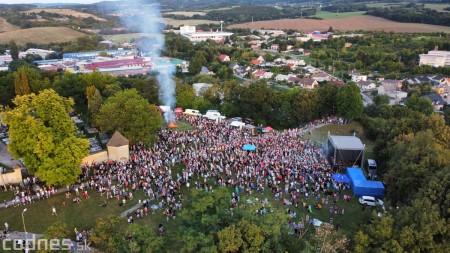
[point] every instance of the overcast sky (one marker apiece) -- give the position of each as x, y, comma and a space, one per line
49, 1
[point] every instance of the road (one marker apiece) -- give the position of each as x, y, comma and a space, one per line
366, 99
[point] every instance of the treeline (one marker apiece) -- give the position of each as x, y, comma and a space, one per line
414, 14
345, 7
413, 153
249, 13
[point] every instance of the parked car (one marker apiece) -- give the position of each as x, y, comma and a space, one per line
370, 201
237, 119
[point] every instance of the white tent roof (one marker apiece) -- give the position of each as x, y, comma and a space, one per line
346, 142
237, 124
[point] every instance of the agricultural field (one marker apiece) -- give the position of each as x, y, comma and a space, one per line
437, 7
40, 34
7, 27
177, 23
186, 13
365, 22
334, 15
383, 5
68, 12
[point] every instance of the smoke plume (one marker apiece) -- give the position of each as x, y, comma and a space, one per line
145, 17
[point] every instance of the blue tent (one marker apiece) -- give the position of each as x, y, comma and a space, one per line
249, 147
363, 187
341, 178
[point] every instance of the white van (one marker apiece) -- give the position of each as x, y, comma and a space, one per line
214, 115
192, 112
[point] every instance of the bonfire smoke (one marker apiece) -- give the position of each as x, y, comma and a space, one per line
146, 18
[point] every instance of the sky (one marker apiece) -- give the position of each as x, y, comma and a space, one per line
49, 1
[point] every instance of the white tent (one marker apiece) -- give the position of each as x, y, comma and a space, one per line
237, 124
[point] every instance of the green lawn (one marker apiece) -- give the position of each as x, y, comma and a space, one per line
334, 15
183, 126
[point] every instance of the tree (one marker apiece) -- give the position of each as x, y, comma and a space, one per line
419, 104
57, 231
196, 63
132, 115
381, 99
327, 239
327, 95
21, 84
349, 102
14, 50
185, 96
142, 239
230, 239
43, 134
106, 235
95, 101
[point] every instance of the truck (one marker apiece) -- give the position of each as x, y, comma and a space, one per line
192, 112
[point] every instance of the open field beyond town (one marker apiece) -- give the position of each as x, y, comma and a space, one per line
121, 38
334, 15
40, 35
186, 13
7, 27
365, 22
176, 22
68, 12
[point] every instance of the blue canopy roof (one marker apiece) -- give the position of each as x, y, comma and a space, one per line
341, 178
361, 186
249, 147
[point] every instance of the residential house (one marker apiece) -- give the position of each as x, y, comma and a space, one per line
358, 77
441, 89
289, 47
261, 59
259, 74
294, 80
337, 83
396, 96
321, 77
366, 85
308, 83
281, 77
389, 85
275, 47
224, 58
268, 75
419, 80
233, 66
255, 62
206, 71
437, 101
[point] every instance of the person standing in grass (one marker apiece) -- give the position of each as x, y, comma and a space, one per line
54, 211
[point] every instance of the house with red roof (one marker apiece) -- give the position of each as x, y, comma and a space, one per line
308, 83
224, 58
259, 74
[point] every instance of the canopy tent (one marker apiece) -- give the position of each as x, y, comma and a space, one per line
178, 110
249, 147
248, 126
363, 187
237, 124
341, 178
345, 149
268, 129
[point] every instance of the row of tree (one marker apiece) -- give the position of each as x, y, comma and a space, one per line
413, 152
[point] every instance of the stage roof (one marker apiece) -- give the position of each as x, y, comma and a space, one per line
346, 142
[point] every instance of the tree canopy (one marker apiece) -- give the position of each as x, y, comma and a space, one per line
128, 112
43, 134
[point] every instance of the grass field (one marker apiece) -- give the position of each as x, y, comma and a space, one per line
221, 9
355, 23
334, 15
437, 7
7, 27
186, 13
41, 35
177, 23
121, 38
68, 12
382, 5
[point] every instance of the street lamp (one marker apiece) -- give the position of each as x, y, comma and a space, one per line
23, 220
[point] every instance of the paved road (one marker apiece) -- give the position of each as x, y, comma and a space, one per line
366, 99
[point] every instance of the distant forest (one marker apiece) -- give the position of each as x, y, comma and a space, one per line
413, 14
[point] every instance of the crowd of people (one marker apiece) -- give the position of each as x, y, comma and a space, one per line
288, 166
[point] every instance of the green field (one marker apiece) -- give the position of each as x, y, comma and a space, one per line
334, 15
437, 7
121, 38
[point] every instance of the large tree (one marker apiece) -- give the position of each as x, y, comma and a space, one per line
43, 134
14, 50
21, 84
132, 115
95, 101
349, 102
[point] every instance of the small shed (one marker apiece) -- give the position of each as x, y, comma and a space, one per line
118, 147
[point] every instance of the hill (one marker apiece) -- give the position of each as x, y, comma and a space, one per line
65, 12
41, 35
